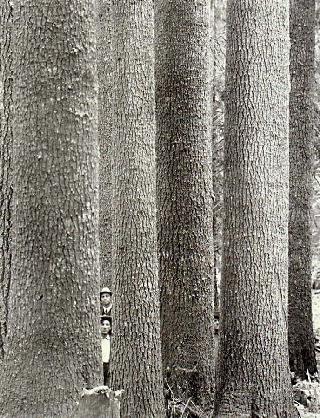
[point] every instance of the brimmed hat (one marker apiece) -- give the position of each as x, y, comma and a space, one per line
105, 290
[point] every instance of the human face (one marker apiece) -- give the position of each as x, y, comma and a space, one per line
105, 299
216, 325
105, 327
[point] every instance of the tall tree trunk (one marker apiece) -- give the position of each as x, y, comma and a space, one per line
184, 187
99, 402
216, 165
253, 372
53, 348
136, 353
6, 189
105, 73
301, 338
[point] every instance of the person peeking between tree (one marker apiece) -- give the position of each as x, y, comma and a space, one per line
105, 301
106, 329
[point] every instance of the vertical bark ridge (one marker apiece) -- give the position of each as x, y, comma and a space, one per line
53, 348
106, 81
184, 187
6, 189
136, 353
301, 338
253, 372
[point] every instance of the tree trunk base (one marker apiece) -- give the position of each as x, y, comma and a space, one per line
99, 402
240, 404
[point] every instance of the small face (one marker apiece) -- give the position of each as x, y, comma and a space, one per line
216, 325
105, 299
105, 327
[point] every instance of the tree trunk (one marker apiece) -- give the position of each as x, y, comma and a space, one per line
53, 344
100, 402
253, 372
301, 338
184, 187
136, 354
105, 73
6, 189
217, 163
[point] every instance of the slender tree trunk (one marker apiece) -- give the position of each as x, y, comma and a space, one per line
301, 338
184, 187
6, 189
253, 372
53, 348
105, 73
136, 353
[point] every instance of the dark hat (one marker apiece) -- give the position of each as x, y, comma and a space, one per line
106, 318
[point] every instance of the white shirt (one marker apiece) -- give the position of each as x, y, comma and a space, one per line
105, 347
106, 310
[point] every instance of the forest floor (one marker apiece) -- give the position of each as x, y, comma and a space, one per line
311, 390
316, 322
306, 393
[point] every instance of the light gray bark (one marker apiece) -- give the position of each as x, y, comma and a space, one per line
6, 189
99, 402
301, 338
52, 348
136, 354
184, 192
106, 82
253, 372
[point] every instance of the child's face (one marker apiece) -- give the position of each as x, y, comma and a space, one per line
105, 299
105, 327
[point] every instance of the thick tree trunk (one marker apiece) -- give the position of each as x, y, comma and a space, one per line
106, 81
253, 372
136, 353
100, 402
53, 348
301, 338
184, 187
6, 189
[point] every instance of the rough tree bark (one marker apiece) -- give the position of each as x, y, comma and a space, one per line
216, 165
6, 189
105, 74
136, 353
100, 402
253, 372
184, 192
53, 348
301, 338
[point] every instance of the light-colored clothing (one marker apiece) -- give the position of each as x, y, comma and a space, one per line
105, 347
